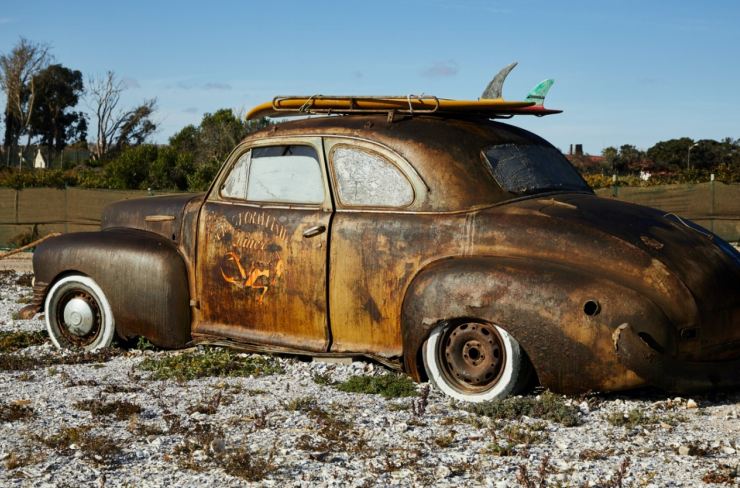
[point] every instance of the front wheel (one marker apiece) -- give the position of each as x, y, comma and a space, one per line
475, 361
78, 314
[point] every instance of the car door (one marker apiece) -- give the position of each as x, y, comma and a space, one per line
262, 247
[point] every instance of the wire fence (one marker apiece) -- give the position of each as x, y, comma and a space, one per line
41, 157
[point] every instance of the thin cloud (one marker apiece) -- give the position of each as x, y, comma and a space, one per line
191, 110
130, 83
357, 74
442, 69
217, 86
6, 20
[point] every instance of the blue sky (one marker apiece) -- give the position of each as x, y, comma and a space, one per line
626, 72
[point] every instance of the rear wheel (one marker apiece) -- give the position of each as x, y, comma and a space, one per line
78, 314
475, 361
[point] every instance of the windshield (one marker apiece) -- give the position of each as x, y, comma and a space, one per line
526, 169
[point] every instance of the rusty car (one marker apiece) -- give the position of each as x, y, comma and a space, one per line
421, 233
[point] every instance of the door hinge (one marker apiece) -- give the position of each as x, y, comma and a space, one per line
195, 303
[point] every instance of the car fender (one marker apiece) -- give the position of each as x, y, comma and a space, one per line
142, 274
543, 306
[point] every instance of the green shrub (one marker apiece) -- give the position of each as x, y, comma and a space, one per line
547, 406
388, 385
211, 362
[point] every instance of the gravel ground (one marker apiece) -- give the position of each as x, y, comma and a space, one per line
288, 430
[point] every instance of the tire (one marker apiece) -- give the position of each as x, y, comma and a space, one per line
78, 314
475, 362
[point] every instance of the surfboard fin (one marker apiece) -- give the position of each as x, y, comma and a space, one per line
493, 90
538, 93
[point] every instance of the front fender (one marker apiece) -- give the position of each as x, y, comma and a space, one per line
541, 305
142, 275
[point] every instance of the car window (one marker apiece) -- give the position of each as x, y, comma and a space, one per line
235, 185
530, 168
367, 179
285, 174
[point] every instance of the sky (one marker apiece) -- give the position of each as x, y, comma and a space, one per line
626, 72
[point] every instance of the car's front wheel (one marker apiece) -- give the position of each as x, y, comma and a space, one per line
78, 314
475, 361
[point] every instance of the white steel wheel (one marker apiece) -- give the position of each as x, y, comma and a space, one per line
78, 314
475, 362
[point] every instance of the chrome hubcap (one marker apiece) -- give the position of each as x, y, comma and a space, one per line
79, 317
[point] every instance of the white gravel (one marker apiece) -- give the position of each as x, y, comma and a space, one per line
370, 443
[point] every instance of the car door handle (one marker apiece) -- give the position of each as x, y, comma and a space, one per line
314, 231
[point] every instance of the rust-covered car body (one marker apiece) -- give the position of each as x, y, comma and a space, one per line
557, 268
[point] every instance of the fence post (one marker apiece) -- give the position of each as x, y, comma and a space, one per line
615, 190
711, 215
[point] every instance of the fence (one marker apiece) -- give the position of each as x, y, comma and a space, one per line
56, 210
713, 205
53, 160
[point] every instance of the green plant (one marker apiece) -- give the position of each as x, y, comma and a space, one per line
120, 408
547, 406
210, 362
388, 385
13, 341
632, 419
300, 404
322, 379
143, 344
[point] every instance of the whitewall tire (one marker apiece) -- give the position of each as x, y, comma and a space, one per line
475, 362
78, 314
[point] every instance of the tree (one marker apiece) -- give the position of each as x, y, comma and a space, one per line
117, 127
59, 89
672, 153
18, 72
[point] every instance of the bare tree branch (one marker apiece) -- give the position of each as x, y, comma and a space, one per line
17, 72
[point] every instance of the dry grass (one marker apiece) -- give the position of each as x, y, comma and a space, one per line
121, 409
14, 413
13, 341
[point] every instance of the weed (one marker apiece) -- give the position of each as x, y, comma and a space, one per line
12, 413
300, 404
260, 421
13, 341
209, 407
632, 419
64, 439
547, 406
120, 408
256, 392
15, 316
98, 449
419, 407
25, 279
143, 428
19, 460
445, 440
20, 362
322, 379
723, 475
594, 455
211, 362
26, 377
53, 371
143, 344
24, 300
516, 434
72, 383
248, 466
388, 385
119, 389
523, 476
398, 406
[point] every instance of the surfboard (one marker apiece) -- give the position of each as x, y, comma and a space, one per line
491, 104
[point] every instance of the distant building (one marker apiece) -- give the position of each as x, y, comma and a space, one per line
39, 161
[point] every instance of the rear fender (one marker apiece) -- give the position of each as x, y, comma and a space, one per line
542, 306
142, 275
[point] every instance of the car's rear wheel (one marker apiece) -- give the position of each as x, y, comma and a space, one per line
78, 314
475, 361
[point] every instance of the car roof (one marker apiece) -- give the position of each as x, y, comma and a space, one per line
444, 151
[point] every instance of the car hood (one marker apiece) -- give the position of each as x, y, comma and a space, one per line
161, 215
689, 273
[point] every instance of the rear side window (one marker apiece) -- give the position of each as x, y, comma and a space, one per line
529, 168
366, 179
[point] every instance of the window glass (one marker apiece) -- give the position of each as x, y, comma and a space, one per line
235, 185
369, 180
285, 174
530, 168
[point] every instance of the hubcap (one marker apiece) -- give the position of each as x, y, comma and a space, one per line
78, 317
472, 356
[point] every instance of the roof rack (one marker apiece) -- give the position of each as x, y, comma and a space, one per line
491, 104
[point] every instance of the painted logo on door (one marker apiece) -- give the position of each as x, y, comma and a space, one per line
254, 262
